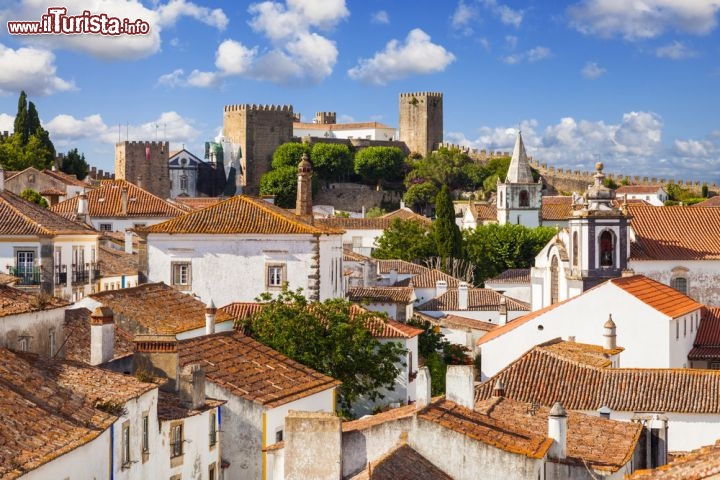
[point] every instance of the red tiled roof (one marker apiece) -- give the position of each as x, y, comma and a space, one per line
703, 463
370, 421
406, 214
557, 207
429, 279
106, 201
402, 463
14, 301
242, 310
350, 256
511, 275
252, 370
707, 340
170, 407
675, 233
113, 262
638, 189
659, 296
344, 223
402, 267
483, 211
66, 178
545, 376
156, 308
450, 321
51, 191
241, 215
479, 299
710, 202
387, 328
198, 203
20, 217
381, 294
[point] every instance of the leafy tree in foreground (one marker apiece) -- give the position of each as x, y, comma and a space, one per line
32, 196
448, 239
407, 240
379, 163
420, 196
281, 182
74, 163
330, 337
331, 161
289, 154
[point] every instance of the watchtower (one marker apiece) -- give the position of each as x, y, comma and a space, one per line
145, 164
421, 121
258, 130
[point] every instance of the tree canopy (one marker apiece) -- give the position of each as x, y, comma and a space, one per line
331, 161
29, 145
282, 183
289, 154
32, 196
374, 164
74, 163
408, 240
420, 196
446, 233
331, 337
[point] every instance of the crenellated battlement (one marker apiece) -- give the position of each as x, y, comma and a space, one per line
475, 154
422, 94
142, 143
258, 108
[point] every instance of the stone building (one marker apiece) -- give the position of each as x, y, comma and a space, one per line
421, 121
144, 164
519, 196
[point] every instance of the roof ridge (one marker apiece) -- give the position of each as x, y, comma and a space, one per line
44, 229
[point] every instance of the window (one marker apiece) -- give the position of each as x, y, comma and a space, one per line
279, 436
126, 444
679, 284
146, 433
181, 274
106, 227
275, 276
183, 182
575, 249
213, 429
607, 249
24, 343
25, 267
524, 198
176, 441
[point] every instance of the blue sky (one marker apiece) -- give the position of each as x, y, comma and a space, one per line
633, 84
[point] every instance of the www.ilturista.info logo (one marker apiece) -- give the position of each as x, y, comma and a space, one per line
57, 21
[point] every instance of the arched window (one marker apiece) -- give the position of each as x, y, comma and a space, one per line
575, 249
554, 273
524, 198
607, 249
680, 284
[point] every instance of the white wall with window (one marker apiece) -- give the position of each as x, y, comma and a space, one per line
700, 278
136, 439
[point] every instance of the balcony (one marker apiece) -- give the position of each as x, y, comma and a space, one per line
83, 276
60, 275
26, 275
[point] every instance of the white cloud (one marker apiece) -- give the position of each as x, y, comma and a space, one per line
643, 18
417, 56
507, 15
68, 128
201, 79
7, 122
234, 58
173, 79
675, 51
380, 17
511, 41
535, 54
463, 16
120, 46
697, 148
280, 21
592, 70
30, 69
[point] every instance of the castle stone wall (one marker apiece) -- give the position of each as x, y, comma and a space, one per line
421, 121
145, 164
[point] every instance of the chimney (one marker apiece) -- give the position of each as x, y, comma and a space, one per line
462, 296
313, 445
422, 388
499, 389
604, 412
557, 430
2, 179
157, 355
610, 334
392, 278
102, 336
124, 200
210, 311
440, 287
128, 240
192, 386
502, 311
628, 272
460, 385
82, 207
303, 203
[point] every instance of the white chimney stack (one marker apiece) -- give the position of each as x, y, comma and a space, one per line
440, 287
124, 201
128, 240
210, 312
610, 334
422, 388
102, 336
192, 386
463, 296
460, 385
82, 204
393, 277
557, 430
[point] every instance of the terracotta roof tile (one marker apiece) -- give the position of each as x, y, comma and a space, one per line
156, 308
370, 421
483, 211
350, 256
406, 214
77, 334
171, 408
6, 279
14, 301
198, 203
428, 279
707, 339
638, 189
675, 233
546, 375
114, 262
242, 215
381, 294
401, 267
403, 463
713, 202
512, 275
51, 191
659, 296
703, 463
20, 217
252, 370
242, 310
479, 299
106, 201
66, 178
556, 208
388, 328
455, 321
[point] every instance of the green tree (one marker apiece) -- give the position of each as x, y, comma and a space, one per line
448, 239
704, 191
331, 161
331, 337
74, 163
375, 212
289, 154
21, 119
281, 182
379, 163
30, 143
494, 248
446, 166
408, 240
32, 196
420, 196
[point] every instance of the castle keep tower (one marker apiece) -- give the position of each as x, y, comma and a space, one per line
145, 164
258, 130
421, 121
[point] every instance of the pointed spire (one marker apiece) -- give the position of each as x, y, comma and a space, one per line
519, 171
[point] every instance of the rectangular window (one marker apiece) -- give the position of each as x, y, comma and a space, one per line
106, 227
275, 276
714, 366
181, 274
279, 436
213, 429
176, 441
126, 444
25, 267
145, 434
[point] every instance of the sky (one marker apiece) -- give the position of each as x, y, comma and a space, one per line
634, 84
